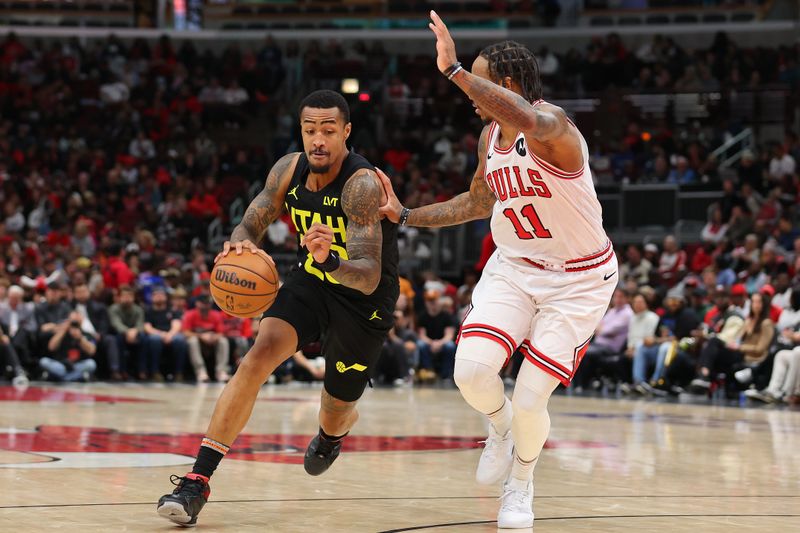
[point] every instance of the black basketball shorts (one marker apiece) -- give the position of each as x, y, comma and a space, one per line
352, 332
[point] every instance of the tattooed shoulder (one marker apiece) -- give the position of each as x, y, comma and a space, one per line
267, 205
361, 197
278, 170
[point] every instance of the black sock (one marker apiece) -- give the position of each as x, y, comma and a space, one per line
331, 437
208, 457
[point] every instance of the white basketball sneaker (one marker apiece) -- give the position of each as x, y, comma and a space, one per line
516, 508
496, 458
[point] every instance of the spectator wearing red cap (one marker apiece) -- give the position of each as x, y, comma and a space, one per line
739, 298
774, 311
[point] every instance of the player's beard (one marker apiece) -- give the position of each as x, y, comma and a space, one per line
322, 169
319, 169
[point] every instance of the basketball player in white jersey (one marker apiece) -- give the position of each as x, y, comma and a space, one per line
551, 278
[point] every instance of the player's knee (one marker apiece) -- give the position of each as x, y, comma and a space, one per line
528, 402
263, 353
336, 408
472, 376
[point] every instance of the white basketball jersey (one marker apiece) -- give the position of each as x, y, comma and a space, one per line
548, 218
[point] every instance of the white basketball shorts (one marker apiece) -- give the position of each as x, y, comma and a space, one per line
550, 316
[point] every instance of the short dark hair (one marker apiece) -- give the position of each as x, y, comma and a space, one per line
512, 59
325, 99
114, 249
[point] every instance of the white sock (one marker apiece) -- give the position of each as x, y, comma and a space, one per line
531, 423
502, 418
523, 470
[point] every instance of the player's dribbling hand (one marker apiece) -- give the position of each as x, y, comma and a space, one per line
392, 208
240, 247
318, 240
445, 47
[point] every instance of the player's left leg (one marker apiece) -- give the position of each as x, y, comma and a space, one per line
498, 322
336, 419
531, 426
569, 308
352, 348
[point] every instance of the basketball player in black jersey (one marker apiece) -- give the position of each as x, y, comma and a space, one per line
342, 290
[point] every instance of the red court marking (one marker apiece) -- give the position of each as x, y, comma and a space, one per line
39, 394
269, 448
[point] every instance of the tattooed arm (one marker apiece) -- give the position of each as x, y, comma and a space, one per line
543, 123
263, 210
267, 205
471, 205
361, 198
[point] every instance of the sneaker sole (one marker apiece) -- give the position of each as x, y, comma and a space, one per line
174, 512
514, 525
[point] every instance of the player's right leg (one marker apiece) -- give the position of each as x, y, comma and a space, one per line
498, 322
276, 341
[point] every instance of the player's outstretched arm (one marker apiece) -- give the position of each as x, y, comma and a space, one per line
361, 200
474, 204
506, 107
263, 210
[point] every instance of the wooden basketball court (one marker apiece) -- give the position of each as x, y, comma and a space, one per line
97, 458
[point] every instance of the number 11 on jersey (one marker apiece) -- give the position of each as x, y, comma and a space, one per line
539, 231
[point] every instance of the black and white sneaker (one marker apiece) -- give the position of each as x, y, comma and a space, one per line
320, 454
762, 396
699, 386
186, 501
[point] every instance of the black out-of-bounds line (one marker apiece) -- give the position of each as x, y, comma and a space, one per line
597, 517
387, 498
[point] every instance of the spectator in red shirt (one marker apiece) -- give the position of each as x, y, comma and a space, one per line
204, 327
239, 332
204, 205
672, 264
702, 258
59, 237
117, 272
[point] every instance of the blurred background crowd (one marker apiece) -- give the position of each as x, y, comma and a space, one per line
116, 156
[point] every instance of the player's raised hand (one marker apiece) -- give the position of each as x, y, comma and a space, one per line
445, 47
391, 207
318, 240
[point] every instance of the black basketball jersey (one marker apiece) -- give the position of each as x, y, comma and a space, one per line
325, 206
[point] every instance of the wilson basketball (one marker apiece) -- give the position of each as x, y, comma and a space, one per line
244, 285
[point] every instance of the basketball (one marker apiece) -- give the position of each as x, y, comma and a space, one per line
244, 285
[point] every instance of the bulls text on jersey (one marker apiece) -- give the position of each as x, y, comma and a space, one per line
511, 182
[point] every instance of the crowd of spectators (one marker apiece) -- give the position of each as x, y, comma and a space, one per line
115, 156
715, 317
